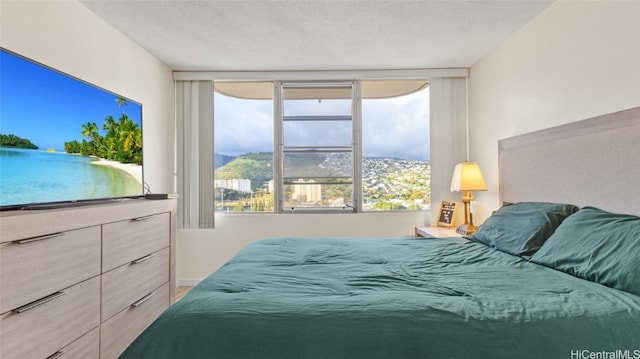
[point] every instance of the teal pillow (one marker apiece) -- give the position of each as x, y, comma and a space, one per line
596, 245
521, 228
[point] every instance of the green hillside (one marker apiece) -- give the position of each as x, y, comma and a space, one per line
257, 166
388, 183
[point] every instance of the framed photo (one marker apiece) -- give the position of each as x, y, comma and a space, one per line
447, 214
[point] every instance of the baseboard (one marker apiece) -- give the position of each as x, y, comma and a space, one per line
188, 282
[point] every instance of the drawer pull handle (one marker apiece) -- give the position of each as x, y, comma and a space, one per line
56, 355
38, 302
138, 219
40, 238
142, 259
143, 299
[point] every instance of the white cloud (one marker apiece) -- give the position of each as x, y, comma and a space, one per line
397, 127
243, 126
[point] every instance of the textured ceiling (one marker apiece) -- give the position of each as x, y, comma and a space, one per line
316, 35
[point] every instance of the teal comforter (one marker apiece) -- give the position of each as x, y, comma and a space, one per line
390, 298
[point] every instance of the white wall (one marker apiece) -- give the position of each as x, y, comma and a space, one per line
576, 60
66, 36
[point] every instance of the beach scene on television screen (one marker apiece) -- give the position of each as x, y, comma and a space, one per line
63, 139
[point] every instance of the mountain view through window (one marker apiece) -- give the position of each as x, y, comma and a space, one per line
395, 154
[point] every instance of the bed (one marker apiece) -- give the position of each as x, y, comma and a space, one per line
553, 273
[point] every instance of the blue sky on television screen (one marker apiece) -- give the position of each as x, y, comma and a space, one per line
48, 107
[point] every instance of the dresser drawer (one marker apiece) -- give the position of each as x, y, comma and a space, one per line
85, 347
35, 267
42, 330
130, 282
125, 241
119, 331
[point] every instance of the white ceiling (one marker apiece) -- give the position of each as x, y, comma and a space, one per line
281, 35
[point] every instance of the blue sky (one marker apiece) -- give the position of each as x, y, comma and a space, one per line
394, 127
49, 108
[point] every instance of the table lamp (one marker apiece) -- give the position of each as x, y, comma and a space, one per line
467, 177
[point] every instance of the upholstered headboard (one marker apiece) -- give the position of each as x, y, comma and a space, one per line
592, 162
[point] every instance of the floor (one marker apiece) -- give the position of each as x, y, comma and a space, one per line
181, 291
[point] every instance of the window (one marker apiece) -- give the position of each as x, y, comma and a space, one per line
243, 138
395, 150
319, 146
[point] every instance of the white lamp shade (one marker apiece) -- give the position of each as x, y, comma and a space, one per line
467, 177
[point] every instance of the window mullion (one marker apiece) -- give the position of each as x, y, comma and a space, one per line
278, 139
357, 146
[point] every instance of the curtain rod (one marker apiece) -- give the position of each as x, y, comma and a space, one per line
320, 75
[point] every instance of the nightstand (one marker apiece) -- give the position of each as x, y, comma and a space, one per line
436, 232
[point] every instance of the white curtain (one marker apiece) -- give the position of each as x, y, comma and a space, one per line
194, 121
448, 121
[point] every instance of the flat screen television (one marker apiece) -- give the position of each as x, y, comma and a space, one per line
64, 141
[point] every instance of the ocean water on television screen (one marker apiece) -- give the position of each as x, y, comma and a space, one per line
32, 176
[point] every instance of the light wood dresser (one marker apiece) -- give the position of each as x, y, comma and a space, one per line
83, 282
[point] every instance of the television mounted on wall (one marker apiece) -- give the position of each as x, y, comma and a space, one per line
64, 141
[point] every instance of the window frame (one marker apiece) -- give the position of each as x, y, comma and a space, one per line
278, 164
279, 146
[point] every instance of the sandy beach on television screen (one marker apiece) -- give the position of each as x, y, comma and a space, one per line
131, 168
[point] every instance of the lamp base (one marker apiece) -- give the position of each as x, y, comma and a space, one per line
466, 229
